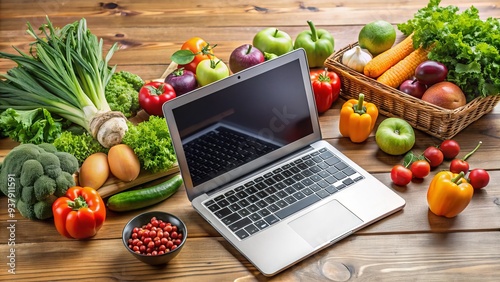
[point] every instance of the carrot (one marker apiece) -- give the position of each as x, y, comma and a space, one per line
384, 61
404, 69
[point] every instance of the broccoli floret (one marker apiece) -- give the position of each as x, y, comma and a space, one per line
63, 182
122, 92
27, 211
68, 162
28, 195
31, 171
44, 187
48, 147
51, 164
34, 174
43, 209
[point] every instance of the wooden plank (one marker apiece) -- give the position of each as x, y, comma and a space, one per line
423, 257
480, 215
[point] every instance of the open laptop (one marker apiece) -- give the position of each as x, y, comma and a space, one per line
254, 165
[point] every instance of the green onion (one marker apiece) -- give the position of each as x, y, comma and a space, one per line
65, 73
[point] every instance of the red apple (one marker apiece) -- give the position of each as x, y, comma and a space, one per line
413, 87
244, 57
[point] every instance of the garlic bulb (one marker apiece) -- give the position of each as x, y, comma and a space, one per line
356, 58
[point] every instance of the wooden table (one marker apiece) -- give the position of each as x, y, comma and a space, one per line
413, 244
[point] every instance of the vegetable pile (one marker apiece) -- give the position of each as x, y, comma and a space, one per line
467, 45
37, 175
66, 74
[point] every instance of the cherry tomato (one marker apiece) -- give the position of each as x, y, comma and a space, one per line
434, 156
479, 178
456, 166
401, 175
420, 168
450, 148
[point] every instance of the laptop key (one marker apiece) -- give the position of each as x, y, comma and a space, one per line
331, 189
281, 204
230, 219
271, 219
297, 206
240, 224
322, 193
251, 229
242, 234
213, 207
273, 208
261, 224
209, 203
223, 203
223, 212
253, 208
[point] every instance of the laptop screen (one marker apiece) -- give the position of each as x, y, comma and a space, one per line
243, 122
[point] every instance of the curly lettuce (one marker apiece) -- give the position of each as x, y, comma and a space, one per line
151, 142
467, 45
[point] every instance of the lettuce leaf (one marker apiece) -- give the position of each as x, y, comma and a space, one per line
31, 126
466, 44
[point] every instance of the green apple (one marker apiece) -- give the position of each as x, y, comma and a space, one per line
395, 136
211, 70
273, 40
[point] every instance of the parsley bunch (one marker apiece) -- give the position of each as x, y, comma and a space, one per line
467, 45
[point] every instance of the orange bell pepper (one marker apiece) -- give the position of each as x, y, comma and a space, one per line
80, 213
357, 119
449, 194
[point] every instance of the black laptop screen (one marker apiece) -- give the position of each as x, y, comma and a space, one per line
244, 121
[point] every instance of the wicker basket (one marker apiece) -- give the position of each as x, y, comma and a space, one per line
436, 121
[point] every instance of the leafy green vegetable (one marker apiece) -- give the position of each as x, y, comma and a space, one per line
79, 145
467, 45
31, 126
66, 74
122, 92
151, 142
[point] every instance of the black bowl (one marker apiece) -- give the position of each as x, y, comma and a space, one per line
145, 218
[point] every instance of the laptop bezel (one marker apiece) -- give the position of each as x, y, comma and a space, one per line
233, 175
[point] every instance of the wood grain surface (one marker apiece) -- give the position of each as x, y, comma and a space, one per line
411, 245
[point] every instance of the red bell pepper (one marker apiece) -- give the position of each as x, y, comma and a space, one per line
152, 96
326, 88
80, 213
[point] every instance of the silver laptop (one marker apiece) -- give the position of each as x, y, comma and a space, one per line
254, 165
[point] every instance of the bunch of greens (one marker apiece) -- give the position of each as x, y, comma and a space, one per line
122, 92
151, 143
31, 126
66, 74
467, 45
81, 145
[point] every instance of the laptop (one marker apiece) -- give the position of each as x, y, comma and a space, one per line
254, 166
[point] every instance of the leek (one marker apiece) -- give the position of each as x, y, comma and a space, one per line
65, 72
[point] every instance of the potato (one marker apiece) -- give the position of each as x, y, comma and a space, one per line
123, 162
94, 171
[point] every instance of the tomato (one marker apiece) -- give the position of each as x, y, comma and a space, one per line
201, 50
450, 148
211, 70
401, 175
456, 166
434, 156
326, 88
152, 96
479, 178
420, 168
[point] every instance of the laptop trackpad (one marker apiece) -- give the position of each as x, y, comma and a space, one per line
325, 223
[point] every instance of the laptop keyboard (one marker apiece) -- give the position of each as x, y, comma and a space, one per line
267, 199
222, 150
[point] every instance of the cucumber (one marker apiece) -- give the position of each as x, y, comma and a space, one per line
143, 197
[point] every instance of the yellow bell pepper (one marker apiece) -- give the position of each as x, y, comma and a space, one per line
357, 119
449, 194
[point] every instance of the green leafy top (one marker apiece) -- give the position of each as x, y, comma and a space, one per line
467, 45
